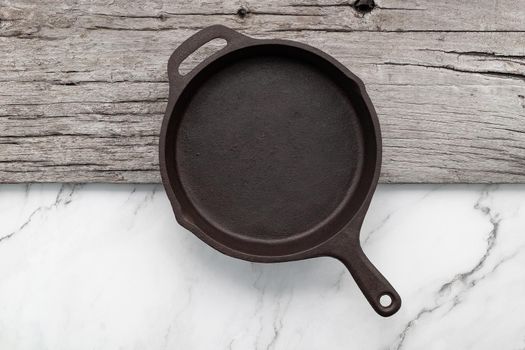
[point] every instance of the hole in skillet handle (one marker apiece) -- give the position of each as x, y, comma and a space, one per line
194, 43
387, 304
197, 56
385, 300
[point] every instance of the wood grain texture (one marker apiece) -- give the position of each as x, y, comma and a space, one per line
83, 83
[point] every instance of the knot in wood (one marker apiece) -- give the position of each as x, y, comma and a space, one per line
242, 12
364, 6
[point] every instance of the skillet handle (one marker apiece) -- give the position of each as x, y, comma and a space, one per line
372, 283
197, 40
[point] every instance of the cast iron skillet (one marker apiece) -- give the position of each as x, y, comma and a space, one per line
270, 151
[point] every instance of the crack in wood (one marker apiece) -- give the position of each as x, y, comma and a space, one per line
476, 53
154, 100
94, 136
346, 4
400, 8
490, 73
398, 31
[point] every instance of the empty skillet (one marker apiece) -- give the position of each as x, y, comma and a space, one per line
270, 151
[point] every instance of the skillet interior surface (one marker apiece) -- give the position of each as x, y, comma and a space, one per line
269, 147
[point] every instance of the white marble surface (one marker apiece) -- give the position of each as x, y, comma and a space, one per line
108, 267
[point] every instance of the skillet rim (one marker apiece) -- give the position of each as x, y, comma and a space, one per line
177, 88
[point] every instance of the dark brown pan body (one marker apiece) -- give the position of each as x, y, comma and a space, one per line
270, 151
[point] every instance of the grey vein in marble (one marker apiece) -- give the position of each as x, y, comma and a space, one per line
465, 279
60, 199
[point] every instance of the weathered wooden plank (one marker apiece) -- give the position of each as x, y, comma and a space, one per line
83, 83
